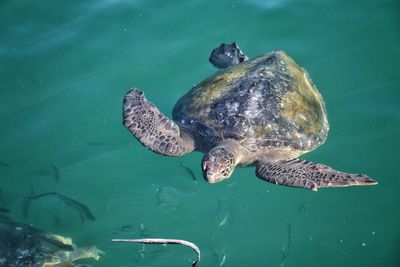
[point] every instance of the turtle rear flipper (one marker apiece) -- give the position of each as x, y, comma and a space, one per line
306, 174
152, 128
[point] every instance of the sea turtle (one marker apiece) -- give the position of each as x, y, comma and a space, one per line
264, 112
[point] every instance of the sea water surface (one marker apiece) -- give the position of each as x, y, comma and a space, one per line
66, 65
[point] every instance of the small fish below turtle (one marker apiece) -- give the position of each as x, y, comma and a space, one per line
83, 211
263, 112
4, 210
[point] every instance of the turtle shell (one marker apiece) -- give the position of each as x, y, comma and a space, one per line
265, 102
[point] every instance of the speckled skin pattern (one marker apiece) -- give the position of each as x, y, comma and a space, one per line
267, 104
306, 174
152, 128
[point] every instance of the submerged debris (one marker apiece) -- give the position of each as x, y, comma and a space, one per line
165, 241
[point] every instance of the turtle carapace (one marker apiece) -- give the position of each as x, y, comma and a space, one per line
265, 111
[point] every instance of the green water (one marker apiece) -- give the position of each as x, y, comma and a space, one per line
66, 65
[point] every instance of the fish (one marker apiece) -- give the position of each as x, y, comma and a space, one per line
223, 214
286, 249
56, 171
221, 260
189, 171
125, 228
284, 255
4, 210
83, 211
26, 203
304, 208
4, 164
224, 220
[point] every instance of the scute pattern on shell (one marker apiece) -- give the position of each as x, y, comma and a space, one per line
268, 101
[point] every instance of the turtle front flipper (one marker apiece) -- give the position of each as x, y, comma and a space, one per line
306, 174
152, 128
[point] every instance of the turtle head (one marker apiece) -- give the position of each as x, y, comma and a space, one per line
227, 55
218, 165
